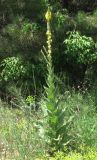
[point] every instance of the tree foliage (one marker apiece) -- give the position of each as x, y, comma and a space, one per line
22, 34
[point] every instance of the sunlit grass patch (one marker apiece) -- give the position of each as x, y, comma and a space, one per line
19, 136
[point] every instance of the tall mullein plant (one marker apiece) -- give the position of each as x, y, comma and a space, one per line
50, 89
57, 124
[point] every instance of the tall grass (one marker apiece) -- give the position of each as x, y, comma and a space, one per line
19, 134
22, 131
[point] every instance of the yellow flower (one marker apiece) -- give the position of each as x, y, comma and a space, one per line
48, 33
22, 123
48, 15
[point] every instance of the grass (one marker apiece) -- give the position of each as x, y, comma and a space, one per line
19, 135
22, 136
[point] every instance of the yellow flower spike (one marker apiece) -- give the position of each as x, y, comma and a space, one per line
48, 15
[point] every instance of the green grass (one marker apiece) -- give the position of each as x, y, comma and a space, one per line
19, 135
22, 130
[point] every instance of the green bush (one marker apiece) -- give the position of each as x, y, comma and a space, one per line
79, 53
15, 70
86, 154
12, 69
80, 49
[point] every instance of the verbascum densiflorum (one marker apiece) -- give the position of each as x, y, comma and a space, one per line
48, 17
